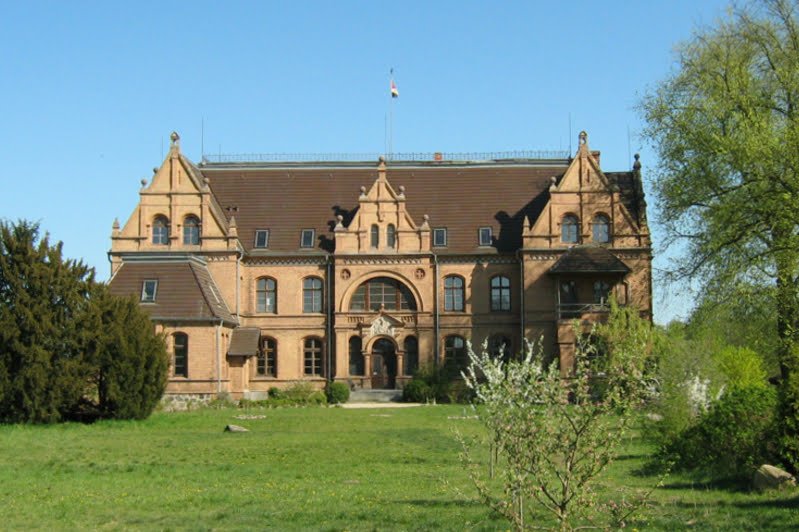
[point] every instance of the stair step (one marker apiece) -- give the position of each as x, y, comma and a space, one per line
375, 396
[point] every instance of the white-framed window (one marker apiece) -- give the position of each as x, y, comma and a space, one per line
440, 237
191, 231
262, 238
484, 235
307, 238
148, 290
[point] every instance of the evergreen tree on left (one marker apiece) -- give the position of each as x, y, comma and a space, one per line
68, 349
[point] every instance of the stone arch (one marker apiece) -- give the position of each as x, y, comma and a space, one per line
344, 302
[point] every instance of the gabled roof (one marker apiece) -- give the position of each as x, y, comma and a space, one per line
186, 291
589, 259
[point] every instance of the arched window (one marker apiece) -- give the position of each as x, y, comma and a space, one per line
267, 358
375, 236
191, 230
411, 360
500, 293
266, 295
356, 356
601, 229
161, 231
313, 357
180, 362
455, 352
384, 292
391, 236
453, 293
499, 347
569, 229
312, 295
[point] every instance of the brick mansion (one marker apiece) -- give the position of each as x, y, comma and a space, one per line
264, 273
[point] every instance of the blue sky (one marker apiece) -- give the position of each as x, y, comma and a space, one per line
90, 91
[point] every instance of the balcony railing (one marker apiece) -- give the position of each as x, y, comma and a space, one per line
576, 310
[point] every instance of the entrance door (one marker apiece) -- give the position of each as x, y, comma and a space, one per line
384, 365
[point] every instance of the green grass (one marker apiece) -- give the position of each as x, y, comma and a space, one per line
300, 469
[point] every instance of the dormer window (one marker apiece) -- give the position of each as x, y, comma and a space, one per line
391, 236
374, 236
307, 238
191, 231
261, 238
568, 229
161, 231
148, 291
484, 236
601, 229
440, 237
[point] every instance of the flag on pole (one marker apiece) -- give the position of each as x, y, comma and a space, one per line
394, 91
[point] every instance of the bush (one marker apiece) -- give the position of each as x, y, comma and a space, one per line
417, 391
741, 367
275, 393
444, 383
337, 393
303, 393
732, 437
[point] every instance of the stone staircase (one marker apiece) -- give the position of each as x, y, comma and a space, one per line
375, 396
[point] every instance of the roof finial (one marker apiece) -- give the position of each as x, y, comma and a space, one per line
583, 137
637, 163
116, 224
175, 137
143, 182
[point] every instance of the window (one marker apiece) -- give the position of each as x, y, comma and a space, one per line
307, 239
601, 292
312, 295
440, 237
499, 347
312, 356
266, 295
374, 236
601, 229
191, 231
453, 293
356, 356
160, 231
455, 352
391, 236
262, 238
568, 292
382, 292
484, 236
148, 291
568, 229
411, 360
266, 365
500, 293
181, 360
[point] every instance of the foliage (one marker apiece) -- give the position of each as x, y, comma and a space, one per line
550, 436
417, 391
337, 393
732, 438
441, 383
726, 129
303, 393
740, 368
44, 301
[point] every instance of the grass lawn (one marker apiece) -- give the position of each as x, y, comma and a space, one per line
302, 469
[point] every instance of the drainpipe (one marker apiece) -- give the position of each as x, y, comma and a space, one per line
219, 357
329, 320
238, 282
521, 297
435, 309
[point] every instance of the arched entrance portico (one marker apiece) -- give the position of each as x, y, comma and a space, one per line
384, 364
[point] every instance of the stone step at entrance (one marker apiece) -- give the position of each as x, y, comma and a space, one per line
375, 396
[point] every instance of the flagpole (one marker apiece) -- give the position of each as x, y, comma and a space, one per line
391, 116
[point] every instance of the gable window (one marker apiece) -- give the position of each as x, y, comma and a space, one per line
356, 356
374, 236
161, 231
484, 236
440, 237
601, 229
391, 236
148, 291
180, 366
455, 352
312, 295
312, 357
500, 293
307, 238
266, 295
601, 292
266, 364
382, 292
191, 231
453, 293
569, 229
262, 238
411, 360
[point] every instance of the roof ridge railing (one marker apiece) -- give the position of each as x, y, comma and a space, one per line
395, 157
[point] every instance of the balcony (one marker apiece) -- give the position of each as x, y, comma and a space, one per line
596, 311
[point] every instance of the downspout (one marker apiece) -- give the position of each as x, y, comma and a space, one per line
329, 325
219, 357
521, 297
435, 309
238, 282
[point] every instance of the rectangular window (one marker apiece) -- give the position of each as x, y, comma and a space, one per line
484, 236
440, 237
307, 238
262, 238
148, 290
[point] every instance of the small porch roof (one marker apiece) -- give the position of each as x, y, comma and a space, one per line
244, 342
589, 260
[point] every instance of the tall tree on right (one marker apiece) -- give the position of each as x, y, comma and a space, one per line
725, 125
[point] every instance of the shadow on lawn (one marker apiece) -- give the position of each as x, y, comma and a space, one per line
449, 503
786, 504
728, 484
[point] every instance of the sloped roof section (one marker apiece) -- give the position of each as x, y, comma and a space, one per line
186, 290
589, 259
244, 342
